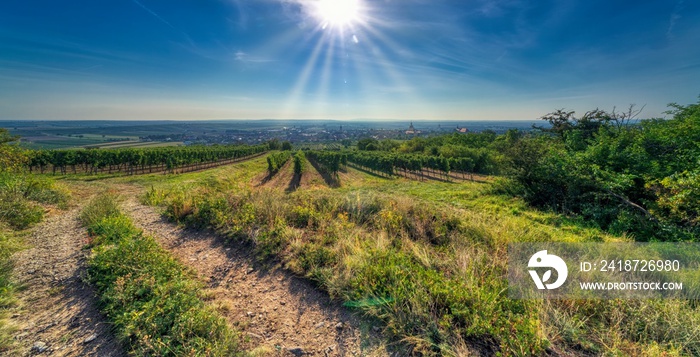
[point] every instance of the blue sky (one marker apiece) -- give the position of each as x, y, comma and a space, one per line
393, 59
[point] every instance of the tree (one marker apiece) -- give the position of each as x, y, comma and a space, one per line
637, 179
274, 144
286, 146
12, 157
368, 144
560, 121
6, 137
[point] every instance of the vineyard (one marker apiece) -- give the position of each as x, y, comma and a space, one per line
134, 161
275, 161
412, 166
139, 161
328, 162
299, 163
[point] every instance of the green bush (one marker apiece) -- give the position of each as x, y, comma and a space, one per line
635, 179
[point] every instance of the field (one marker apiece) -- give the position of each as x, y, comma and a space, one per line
135, 144
345, 236
385, 248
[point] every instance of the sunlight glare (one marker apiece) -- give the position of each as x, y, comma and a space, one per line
337, 12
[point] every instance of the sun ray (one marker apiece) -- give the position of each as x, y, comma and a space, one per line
350, 49
394, 76
303, 79
323, 89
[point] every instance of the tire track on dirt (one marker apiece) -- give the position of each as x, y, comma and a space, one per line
57, 313
279, 313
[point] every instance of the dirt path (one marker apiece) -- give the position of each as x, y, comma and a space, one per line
56, 314
280, 313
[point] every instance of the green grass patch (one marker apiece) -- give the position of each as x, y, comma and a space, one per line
155, 304
8, 288
23, 197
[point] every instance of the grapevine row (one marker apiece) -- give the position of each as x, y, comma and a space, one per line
390, 163
275, 161
299, 163
133, 160
328, 161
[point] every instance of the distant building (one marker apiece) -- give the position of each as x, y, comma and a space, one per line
462, 130
411, 130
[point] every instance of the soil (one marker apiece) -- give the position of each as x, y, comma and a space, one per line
280, 180
56, 313
286, 180
279, 313
311, 178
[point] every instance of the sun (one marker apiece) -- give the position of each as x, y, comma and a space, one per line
337, 12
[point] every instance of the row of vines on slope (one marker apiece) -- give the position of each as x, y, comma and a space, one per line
276, 160
329, 162
299, 163
389, 164
133, 161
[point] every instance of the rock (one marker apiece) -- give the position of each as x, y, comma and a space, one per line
376, 328
328, 350
250, 270
21, 336
297, 351
90, 338
320, 324
250, 314
283, 303
255, 335
339, 326
39, 347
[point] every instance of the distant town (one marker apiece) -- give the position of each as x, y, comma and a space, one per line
121, 134
314, 134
